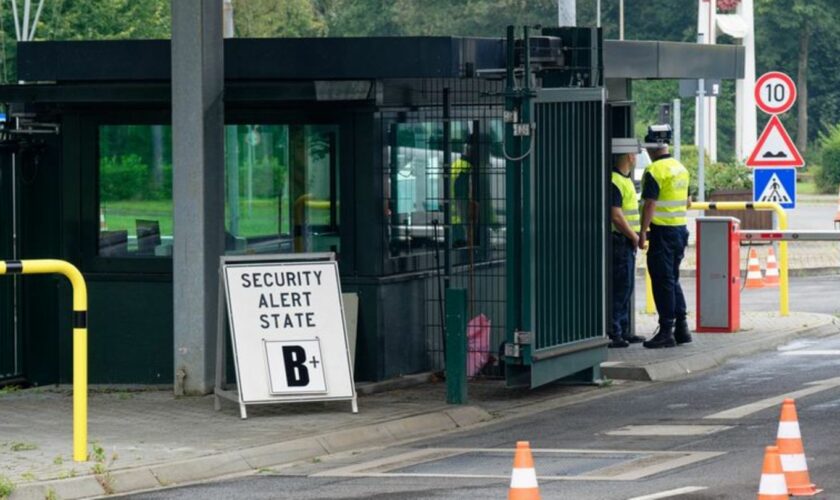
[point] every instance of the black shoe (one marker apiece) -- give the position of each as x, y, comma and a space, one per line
664, 338
682, 334
633, 339
617, 343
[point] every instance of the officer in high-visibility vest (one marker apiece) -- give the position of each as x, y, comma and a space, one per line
624, 214
665, 195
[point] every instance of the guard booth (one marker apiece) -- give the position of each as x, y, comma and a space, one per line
424, 163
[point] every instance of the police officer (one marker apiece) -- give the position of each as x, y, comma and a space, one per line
665, 194
624, 213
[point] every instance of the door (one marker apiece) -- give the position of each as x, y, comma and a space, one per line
561, 243
10, 345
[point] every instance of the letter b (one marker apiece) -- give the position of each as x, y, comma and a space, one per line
294, 359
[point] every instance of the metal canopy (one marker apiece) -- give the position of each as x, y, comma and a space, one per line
356, 58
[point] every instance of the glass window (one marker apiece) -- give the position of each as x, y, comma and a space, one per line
135, 190
281, 189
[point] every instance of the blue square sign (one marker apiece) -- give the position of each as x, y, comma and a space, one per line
776, 185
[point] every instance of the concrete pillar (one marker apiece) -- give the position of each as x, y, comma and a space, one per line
707, 25
566, 13
746, 122
197, 185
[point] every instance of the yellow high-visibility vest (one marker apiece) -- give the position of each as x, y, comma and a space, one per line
672, 204
629, 201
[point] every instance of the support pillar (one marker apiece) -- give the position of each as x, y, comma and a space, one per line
198, 187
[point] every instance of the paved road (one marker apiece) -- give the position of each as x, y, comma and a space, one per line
812, 216
666, 407
818, 294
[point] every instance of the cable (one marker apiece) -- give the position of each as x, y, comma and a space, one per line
527, 153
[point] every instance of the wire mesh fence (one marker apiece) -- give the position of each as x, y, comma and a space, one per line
444, 197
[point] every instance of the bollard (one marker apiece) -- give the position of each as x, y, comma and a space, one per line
49, 266
650, 306
456, 346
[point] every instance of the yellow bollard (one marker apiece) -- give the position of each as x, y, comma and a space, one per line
50, 266
650, 306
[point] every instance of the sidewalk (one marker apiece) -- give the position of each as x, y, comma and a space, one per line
759, 331
147, 439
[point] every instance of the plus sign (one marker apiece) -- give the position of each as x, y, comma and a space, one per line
314, 362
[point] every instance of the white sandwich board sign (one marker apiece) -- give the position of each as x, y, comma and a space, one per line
287, 331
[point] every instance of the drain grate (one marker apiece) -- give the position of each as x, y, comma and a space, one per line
499, 463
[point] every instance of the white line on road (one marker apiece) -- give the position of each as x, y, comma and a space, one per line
670, 493
816, 352
748, 409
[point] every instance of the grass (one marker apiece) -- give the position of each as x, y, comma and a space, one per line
9, 389
6, 487
21, 446
263, 217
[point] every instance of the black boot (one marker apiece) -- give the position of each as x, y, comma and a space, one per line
633, 339
617, 342
665, 338
682, 334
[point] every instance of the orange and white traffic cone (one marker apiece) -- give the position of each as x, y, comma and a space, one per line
792, 453
754, 278
523, 480
772, 485
771, 275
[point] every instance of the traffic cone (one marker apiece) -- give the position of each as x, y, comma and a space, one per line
771, 275
754, 279
772, 485
792, 453
523, 480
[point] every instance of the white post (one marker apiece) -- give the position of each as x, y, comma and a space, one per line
598, 12
621, 19
707, 34
26, 5
227, 19
566, 13
677, 113
701, 143
746, 125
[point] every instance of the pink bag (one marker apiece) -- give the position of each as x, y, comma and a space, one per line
478, 344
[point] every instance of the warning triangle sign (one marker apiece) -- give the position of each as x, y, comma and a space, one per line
775, 191
774, 148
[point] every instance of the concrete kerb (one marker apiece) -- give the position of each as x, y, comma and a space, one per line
250, 460
683, 367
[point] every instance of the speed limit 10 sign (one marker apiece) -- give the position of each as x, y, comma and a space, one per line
775, 92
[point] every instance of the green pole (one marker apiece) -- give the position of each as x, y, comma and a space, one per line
456, 346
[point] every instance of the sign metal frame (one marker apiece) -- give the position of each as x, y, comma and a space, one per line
221, 390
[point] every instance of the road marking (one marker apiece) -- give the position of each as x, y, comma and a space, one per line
638, 464
667, 430
815, 352
748, 409
670, 493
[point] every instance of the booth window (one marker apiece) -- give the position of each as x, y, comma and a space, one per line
281, 186
135, 190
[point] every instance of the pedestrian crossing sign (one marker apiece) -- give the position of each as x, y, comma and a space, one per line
777, 185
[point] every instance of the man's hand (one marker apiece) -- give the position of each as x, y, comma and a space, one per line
635, 240
641, 241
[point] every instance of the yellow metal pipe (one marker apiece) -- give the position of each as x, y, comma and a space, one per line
80, 341
784, 297
650, 306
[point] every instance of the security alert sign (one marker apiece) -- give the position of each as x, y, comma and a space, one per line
288, 331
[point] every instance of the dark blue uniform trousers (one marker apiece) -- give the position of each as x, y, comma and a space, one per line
623, 262
665, 252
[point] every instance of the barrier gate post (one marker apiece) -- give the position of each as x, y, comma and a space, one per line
51, 266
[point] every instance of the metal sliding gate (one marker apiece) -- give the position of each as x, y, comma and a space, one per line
557, 247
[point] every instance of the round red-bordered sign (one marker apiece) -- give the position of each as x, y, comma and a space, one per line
775, 92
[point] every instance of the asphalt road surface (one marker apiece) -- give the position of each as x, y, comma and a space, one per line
683, 447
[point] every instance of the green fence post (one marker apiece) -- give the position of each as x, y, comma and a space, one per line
456, 346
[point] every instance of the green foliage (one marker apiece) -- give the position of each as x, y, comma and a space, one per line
827, 176
6, 487
122, 177
728, 175
22, 446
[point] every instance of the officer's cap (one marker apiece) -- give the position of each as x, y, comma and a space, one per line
658, 136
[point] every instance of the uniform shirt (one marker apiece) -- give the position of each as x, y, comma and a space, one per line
615, 195
650, 188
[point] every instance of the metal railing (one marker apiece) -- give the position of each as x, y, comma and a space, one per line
80, 338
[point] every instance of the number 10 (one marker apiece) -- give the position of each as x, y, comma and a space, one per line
775, 92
